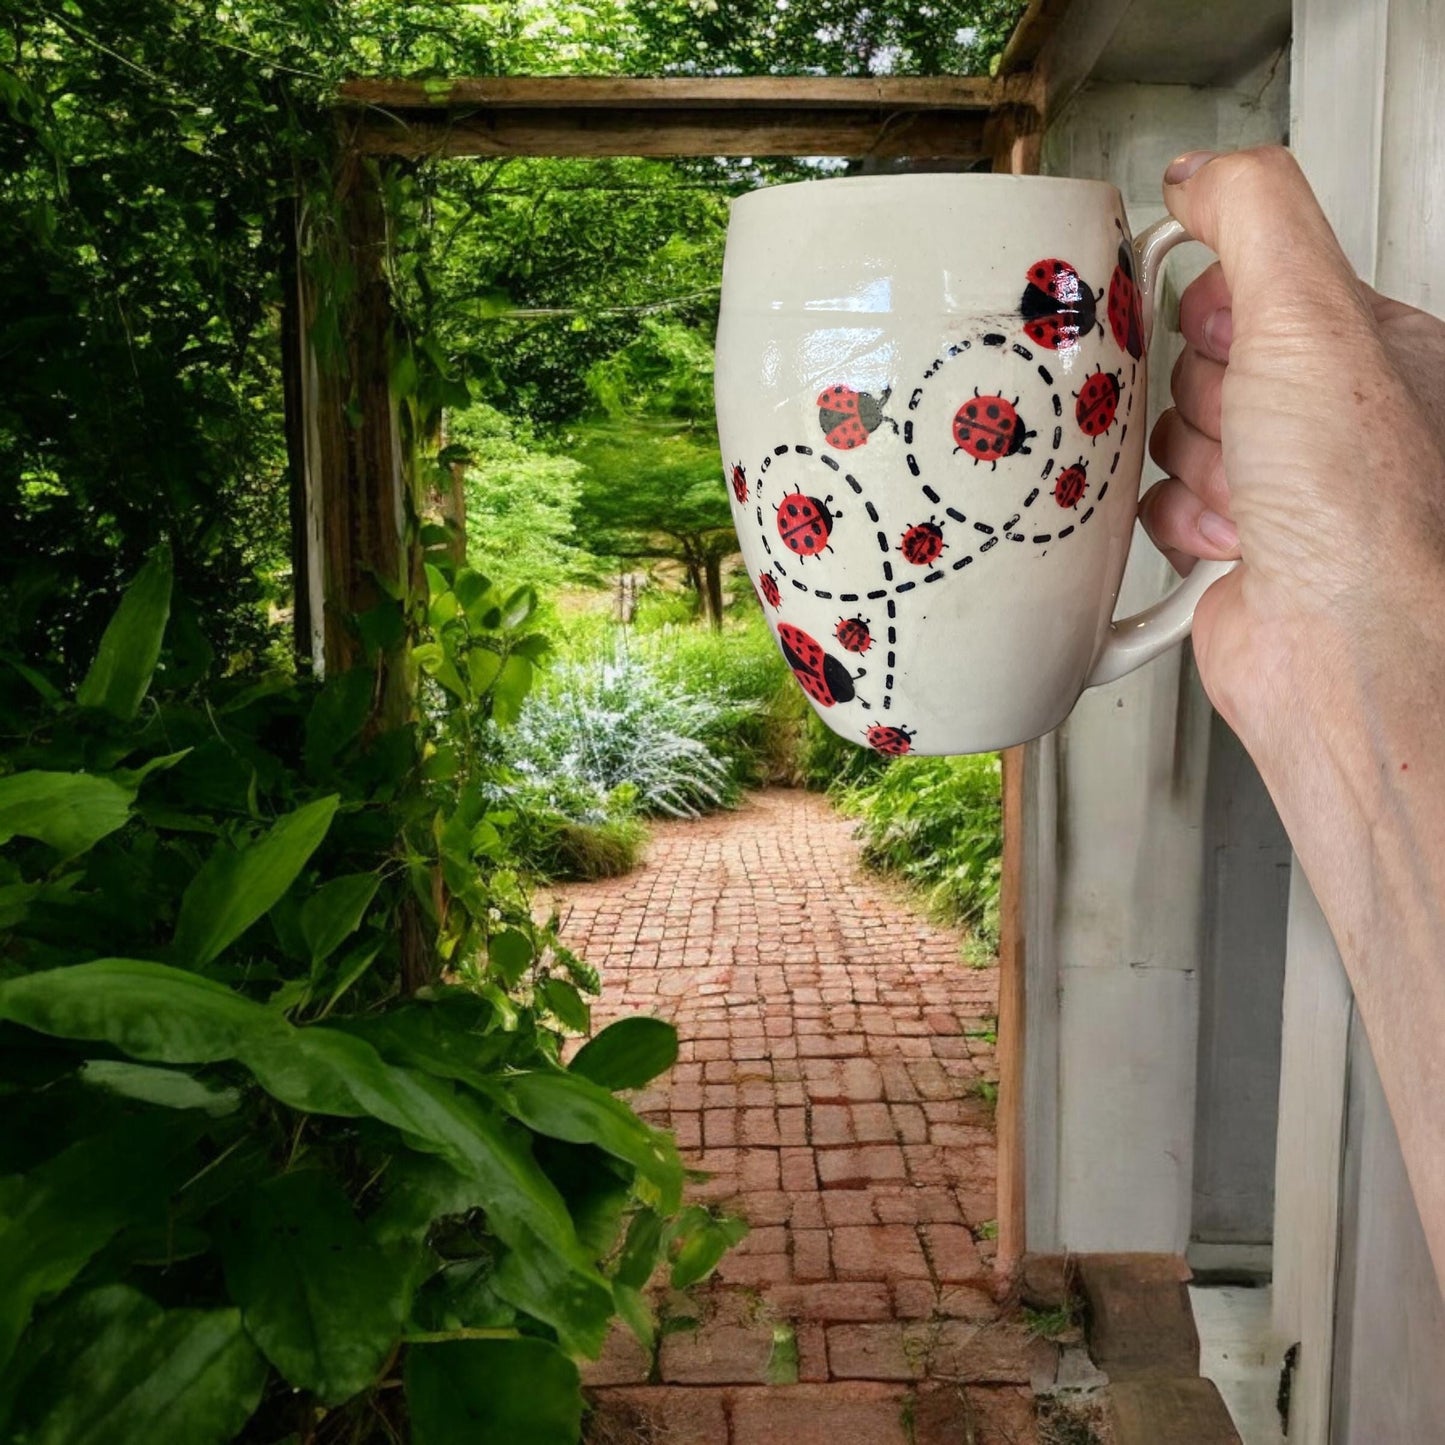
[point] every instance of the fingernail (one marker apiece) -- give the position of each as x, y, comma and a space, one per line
1218, 531
1180, 170
1219, 333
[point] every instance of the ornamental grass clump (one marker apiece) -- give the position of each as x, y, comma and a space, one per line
611, 722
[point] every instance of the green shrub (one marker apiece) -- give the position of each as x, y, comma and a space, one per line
938, 823
287, 1124
612, 722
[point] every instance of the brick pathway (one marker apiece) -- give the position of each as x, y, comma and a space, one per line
832, 1080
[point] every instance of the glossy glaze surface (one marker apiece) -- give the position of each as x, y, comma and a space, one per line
930, 398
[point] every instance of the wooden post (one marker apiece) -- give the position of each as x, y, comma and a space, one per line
350, 502
1015, 135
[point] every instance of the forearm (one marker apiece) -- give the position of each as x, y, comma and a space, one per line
1352, 757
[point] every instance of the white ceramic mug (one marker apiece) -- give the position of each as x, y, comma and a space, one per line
931, 405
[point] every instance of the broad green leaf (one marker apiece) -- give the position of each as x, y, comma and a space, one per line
433, 659
70, 811
577, 1304
324, 1302
112, 1367
473, 1392
53, 1219
236, 887
701, 1240
335, 911
483, 666
568, 1006
352, 966
147, 1010
131, 644
461, 1296
510, 952
323, 1070
566, 1106
168, 1088
628, 1054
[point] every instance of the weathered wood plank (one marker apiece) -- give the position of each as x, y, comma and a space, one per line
1035, 29
1155, 1411
1140, 1321
753, 131
1011, 1116
952, 93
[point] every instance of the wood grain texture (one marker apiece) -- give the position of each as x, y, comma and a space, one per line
1036, 27
580, 92
674, 131
1012, 154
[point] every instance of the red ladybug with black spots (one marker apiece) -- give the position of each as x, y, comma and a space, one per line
1097, 403
850, 417
853, 634
1071, 484
1126, 308
739, 480
822, 676
768, 589
893, 741
990, 427
922, 543
1058, 305
805, 523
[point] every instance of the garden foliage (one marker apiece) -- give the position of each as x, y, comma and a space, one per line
249, 1178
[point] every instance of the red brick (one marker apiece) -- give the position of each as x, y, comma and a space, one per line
860, 1413
799, 1169
831, 1301
831, 1124
812, 1257
954, 1254
872, 1123
859, 1167
849, 1206
806, 1211
878, 1251
678, 1416
717, 1354
812, 1343
917, 1204
623, 1361
759, 1128
719, 1128
768, 1207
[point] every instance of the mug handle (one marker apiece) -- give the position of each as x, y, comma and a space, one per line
1133, 641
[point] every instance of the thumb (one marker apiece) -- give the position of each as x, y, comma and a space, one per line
1255, 210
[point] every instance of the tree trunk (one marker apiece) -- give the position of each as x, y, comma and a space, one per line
713, 571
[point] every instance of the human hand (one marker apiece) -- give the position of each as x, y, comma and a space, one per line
1307, 436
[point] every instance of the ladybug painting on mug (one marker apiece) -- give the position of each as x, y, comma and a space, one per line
1058, 306
1096, 403
822, 676
805, 523
1126, 309
990, 427
739, 479
853, 634
850, 417
892, 741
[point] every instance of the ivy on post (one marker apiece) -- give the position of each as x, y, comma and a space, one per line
355, 514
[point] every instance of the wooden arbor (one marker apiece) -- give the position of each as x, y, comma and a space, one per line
350, 504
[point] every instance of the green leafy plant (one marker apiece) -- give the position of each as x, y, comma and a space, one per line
251, 1179
937, 822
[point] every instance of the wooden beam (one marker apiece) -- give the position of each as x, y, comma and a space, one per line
598, 92
742, 131
934, 117
1035, 29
